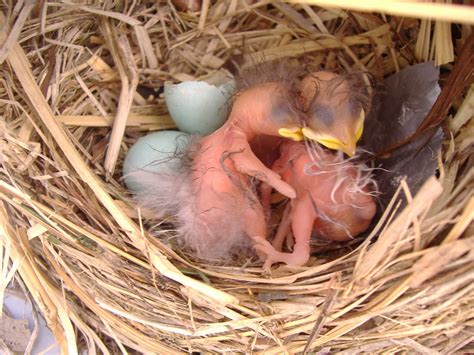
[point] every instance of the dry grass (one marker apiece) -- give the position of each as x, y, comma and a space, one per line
102, 282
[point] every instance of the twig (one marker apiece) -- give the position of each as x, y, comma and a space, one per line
16, 30
326, 307
445, 12
121, 53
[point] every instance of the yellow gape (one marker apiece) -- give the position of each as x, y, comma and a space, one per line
326, 140
293, 133
329, 141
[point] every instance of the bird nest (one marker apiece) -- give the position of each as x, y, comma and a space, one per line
80, 83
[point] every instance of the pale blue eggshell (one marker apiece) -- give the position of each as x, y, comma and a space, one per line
197, 107
155, 152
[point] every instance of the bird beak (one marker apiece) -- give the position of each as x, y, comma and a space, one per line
360, 125
349, 149
327, 141
330, 142
293, 133
310, 134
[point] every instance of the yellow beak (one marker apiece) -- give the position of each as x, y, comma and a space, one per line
349, 149
293, 133
330, 142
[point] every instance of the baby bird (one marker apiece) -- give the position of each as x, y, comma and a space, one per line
333, 201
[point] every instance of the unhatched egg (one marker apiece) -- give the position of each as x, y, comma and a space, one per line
197, 107
155, 152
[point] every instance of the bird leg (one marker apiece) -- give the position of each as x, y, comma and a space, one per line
283, 229
302, 219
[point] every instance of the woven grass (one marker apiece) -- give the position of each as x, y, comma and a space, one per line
71, 109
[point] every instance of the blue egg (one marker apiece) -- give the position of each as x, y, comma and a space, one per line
197, 107
155, 152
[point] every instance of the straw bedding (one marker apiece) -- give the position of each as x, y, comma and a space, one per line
75, 90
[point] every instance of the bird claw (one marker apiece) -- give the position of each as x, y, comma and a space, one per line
296, 258
263, 246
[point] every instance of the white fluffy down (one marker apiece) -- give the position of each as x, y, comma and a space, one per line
172, 194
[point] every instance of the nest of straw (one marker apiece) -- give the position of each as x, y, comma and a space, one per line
75, 95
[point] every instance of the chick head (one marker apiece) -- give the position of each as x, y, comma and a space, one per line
334, 114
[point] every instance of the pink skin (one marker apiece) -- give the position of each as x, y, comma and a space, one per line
225, 161
222, 191
324, 204
259, 111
